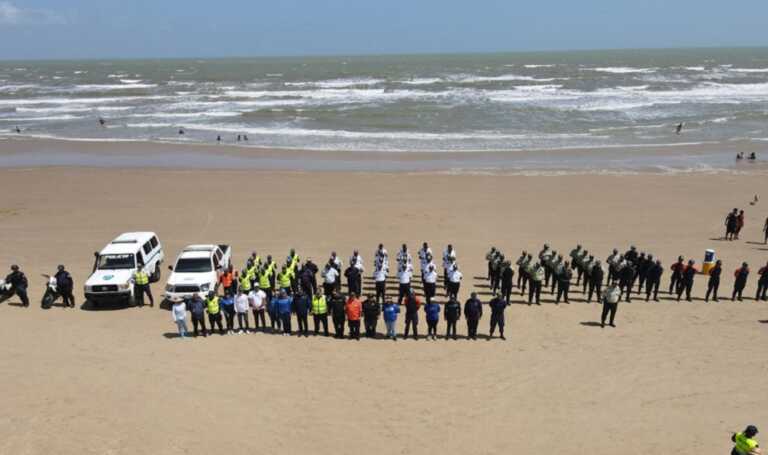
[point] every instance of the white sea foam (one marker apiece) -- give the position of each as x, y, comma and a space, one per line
338, 83
749, 70
539, 66
133, 81
622, 70
469, 79
106, 87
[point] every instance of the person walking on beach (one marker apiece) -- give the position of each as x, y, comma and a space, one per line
65, 285
739, 224
745, 442
302, 305
241, 309
433, 317
596, 282
213, 307
391, 310
507, 278
677, 273
452, 313
412, 305
762, 284
473, 311
686, 281
179, 313
320, 313
611, 298
740, 281
498, 305
141, 287
338, 314
714, 281
371, 312
653, 281
354, 310
196, 307
257, 300
730, 224
564, 283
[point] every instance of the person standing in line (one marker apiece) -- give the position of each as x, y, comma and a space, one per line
452, 313
196, 307
558, 268
686, 281
473, 311
404, 276
545, 255
612, 261
391, 310
677, 273
284, 306
454, 282
371, 311
241, 309
179, 312
432, 310
430, 282
335, 262
354, 279
412, 305
762, 284
265, 283
536, 277
274, 314
730, 224
643, 262
64, 285
302, 305
354, 310
330, 277
653, 281
338, 314
490, 256
714, 281
740, 282
611, 298
381, 257
380, 279
521, 269
257, 300
498, 261
507, 278
213, 307
587, 266
449, 257
498, 305
227, 280
739, 224
320, 313
141, 287
228, 308
576, 255
425, 258
627, 280
596, 282
564, 283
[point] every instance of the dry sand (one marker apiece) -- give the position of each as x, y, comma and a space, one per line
671, 378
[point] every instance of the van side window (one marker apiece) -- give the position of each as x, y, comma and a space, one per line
154, 242
147, 248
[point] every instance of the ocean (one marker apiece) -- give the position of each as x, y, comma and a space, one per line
431, 103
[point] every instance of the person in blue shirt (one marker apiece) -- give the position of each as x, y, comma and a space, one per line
391, 310
228, 307
473, 311
301, 306
274, 316
433, 316
498, 305
284, 306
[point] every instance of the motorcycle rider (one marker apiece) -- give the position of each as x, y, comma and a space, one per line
64, 286
19, 284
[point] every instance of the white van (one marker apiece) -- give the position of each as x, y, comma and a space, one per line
115, 264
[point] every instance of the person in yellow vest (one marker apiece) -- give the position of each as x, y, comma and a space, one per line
245, 282
745, 442
213, 309
320, 313
264, 281
284, 279
141, 287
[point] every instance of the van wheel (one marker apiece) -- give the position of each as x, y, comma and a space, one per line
155, 277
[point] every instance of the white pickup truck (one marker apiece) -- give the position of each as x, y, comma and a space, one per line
112, 277
197, 270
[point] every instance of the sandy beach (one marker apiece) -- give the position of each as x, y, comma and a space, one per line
672, 377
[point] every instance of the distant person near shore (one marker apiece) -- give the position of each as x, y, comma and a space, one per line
679, 128
739, 223
730, 224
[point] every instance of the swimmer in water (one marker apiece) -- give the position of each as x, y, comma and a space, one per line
679, 128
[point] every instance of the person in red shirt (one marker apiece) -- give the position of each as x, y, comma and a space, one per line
739, 223
354, 310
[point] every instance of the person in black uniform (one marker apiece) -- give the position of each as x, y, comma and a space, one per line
626, 280
412, 305
686, 281
653, 280
596, 282
338, 313
643, 263
498, 305
65, 285
677, 273
507, 276
371, 312
473, 311
452, 313
564, 283
19, 284
632, 255
741, 281
354, 280
714, 281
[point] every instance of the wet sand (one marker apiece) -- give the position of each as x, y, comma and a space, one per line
670, 378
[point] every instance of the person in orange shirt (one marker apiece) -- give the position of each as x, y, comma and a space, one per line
354, 309
227, 280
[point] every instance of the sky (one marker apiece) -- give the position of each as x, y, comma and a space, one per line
66, 29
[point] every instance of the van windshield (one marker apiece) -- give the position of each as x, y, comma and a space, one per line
116, 261
193, 265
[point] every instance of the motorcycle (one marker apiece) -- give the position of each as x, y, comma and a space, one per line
6, 290
51, 293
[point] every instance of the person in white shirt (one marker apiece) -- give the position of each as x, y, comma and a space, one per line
380, 278
404, 275
454, 282
449, 257
430, 281
356, 261
257, 300
331, 276
179, 313
335, 261
425, 256
404, 256
241, 309
381, 256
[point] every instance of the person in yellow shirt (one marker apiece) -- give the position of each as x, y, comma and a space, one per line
745, 442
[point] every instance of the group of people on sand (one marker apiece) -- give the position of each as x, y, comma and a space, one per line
734, 223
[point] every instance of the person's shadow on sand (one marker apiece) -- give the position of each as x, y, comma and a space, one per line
590, 324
